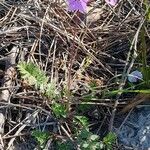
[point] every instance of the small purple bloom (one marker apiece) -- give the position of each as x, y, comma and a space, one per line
77, 5
111, 2
135, 76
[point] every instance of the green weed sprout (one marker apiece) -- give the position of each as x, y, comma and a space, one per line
37, 78
82, 120
41, 137
109, 140
59, 110
89, 141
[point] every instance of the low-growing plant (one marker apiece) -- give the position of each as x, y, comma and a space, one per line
34, 76
59, 110
41, 137
89, 141
109, 140
67, 145
83, 138
82, 120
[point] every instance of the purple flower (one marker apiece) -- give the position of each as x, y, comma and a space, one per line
135, 76
111, 2
77, 5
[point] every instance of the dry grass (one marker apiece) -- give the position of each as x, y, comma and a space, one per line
44, 33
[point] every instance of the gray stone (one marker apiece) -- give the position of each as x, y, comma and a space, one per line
135, 132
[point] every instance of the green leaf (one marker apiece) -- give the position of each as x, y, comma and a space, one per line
109, 140
146, 76
41, 137
59, 110
82, 120
85, 145
84, 134
32, 74
147, 9
147, 91
68, 145
93, 137
88, 140
37, 78
51, 90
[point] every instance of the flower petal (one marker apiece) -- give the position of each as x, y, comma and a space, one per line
135, 76
111, 2
77, 5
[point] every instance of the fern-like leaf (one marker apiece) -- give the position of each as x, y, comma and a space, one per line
51, 90
37, 78
33, 74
